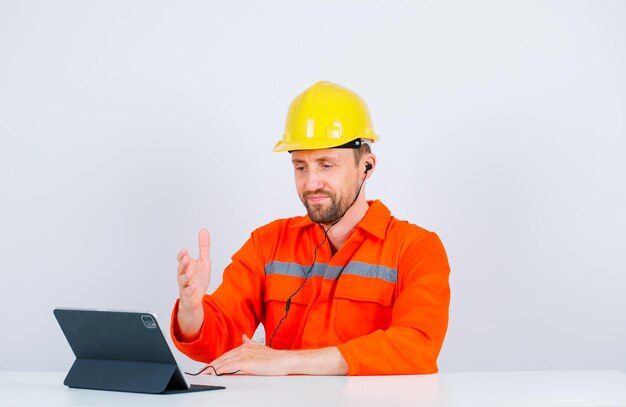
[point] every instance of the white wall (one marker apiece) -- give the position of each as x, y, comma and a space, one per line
126, 126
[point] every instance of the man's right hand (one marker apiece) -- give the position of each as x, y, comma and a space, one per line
194, 277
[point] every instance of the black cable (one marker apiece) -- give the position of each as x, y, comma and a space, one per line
306, 277
214, 371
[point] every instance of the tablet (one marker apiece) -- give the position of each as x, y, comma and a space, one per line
121, 351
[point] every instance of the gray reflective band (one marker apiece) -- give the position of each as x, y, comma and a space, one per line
293, 269
332, 272
372, 271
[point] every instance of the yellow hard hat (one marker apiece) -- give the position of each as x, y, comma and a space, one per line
326, 115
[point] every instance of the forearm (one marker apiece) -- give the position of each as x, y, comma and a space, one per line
325, 361
189, 322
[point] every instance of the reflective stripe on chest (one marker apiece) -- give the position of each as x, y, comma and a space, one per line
332, 272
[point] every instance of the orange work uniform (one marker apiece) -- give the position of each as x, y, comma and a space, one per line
382, 298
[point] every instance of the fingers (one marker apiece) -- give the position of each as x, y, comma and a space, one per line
204, 244
182, 253
250, 358
187, 289
183, 262
224, 363
185, 273
194, 275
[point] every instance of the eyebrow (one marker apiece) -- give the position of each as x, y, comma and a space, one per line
317, 160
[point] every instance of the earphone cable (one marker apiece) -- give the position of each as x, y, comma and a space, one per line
214, 371
306, 277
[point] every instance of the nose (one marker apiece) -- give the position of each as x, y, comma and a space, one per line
314, 181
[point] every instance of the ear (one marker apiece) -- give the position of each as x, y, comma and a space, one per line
369, 164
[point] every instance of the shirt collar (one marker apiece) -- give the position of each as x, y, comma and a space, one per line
374, 222
376, 219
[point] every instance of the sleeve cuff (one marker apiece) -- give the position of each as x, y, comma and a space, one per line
348, 356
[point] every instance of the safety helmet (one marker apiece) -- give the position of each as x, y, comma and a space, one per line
326, 115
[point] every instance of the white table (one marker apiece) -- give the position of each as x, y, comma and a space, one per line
561, 388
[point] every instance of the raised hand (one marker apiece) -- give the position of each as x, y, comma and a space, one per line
194, 276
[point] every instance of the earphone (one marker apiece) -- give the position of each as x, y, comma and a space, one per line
368, 167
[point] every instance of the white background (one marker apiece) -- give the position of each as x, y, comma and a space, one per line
125, 126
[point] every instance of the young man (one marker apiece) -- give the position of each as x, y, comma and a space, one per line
347, 289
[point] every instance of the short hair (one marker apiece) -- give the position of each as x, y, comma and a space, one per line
359, 152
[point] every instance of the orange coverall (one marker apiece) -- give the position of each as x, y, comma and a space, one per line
382, 298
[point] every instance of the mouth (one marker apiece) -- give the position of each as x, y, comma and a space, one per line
316, 199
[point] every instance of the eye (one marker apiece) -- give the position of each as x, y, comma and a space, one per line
327, 166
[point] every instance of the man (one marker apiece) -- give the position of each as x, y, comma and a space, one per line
347, 289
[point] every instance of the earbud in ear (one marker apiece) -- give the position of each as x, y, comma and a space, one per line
368, 167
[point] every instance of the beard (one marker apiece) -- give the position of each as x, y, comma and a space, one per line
331, 212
